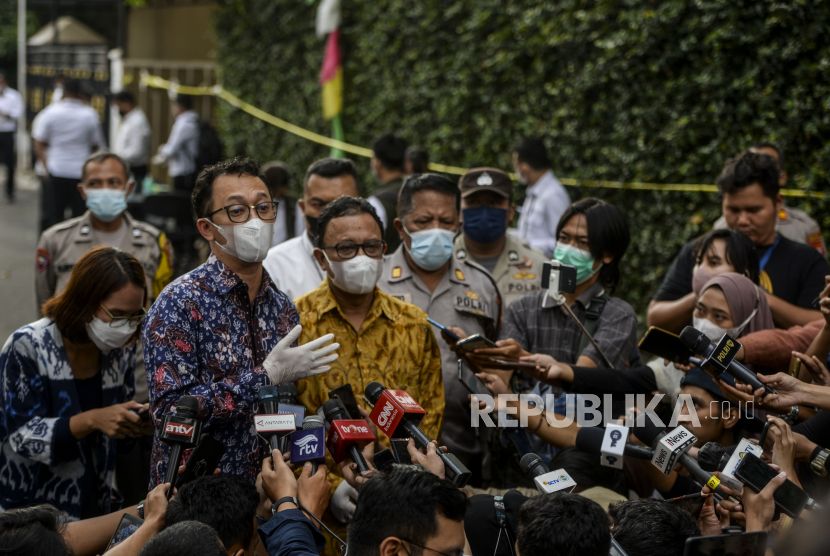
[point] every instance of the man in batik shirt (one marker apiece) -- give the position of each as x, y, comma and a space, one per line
223, 330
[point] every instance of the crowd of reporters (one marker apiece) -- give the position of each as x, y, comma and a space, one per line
256, 315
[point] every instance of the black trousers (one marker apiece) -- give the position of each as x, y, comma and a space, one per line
58, 194
139, 173
8, 159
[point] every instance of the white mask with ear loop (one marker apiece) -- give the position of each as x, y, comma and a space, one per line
715, 332
247, 242
357, 275
107, 338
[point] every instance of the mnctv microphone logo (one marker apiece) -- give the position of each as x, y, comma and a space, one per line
179, 429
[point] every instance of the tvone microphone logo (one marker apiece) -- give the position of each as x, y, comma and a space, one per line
181, 430
307, 445
355, 429
385, 415
615, 437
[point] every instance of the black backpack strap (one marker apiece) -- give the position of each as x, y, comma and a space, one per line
592, 314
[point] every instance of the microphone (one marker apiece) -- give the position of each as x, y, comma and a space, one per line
270, 423
346, 436
671, 448
309, 444
599, 441
397, 414
180, 431
287, 399
720, 359
546, 481
714, 457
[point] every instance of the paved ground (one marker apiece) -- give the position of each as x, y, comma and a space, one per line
18, 240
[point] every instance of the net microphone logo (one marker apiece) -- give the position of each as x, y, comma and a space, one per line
179, 429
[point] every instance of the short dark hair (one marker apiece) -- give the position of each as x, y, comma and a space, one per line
124, 95
344, 206
426, 182
185, 101
202, 196
608, 233
419, 160
99, 157
773, 146
188, 538
402, 502
71, 87
332, 168
749, 168
563, 523
390, 150
740, 251
532, 151
36, 530
225, 502
276, 175
649, 527
101, 272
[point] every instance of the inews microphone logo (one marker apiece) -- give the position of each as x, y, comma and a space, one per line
179, 429
676, 439
307, 445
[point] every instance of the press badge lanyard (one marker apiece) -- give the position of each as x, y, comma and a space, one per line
765, 259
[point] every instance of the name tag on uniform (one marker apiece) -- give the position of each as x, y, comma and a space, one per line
471, 302
405, 297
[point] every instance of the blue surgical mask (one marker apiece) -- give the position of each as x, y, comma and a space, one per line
106, 204
581, 260
432, 248
484, 224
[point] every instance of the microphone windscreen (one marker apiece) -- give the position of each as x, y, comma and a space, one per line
312, 422
710, 456
268, 392
287, 391
532, 465
373, 391
648, 433
589, 440
188, 406
333, 410
695, 340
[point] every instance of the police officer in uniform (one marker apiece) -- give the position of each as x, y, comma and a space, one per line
486, 210
454, 293
105, 186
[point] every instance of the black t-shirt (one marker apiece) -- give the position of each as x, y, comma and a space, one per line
795, 273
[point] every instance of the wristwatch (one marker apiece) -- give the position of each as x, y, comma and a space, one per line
818, 463
140, 509
282, 501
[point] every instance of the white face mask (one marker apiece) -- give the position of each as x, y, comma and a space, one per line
712, 330
107, 338
357, 275
247, 242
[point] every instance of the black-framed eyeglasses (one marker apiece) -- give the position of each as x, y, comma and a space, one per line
459, 553
349, 249
266, 210
118, 322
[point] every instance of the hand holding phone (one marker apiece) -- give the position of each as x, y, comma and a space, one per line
345, 394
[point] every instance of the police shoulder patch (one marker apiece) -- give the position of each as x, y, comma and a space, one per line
396, 272
42, 259
459, 274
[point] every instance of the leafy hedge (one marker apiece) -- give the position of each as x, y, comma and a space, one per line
622, 90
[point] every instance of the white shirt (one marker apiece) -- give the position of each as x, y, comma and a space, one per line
279, 225
132, 141
182, 145
299, 221
72, 130
292, 267
546, 201
378, 206
11, 106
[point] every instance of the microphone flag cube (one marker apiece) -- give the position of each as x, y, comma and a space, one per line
392, 408
346, 432
671, 447
274, 424
180, 429
308, 445
728, 474
613, 446
554, 481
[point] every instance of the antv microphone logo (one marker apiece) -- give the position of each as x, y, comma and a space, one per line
307, 445
181, 430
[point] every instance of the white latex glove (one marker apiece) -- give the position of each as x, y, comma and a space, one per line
288, 364
341, 504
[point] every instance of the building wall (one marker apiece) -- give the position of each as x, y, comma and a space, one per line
171, 33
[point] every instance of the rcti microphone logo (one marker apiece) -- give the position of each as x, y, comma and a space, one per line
181, 430
307, 445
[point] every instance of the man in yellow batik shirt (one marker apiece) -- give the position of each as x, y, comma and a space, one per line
381, 338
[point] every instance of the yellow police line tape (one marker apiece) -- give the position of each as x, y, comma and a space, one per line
218, 91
